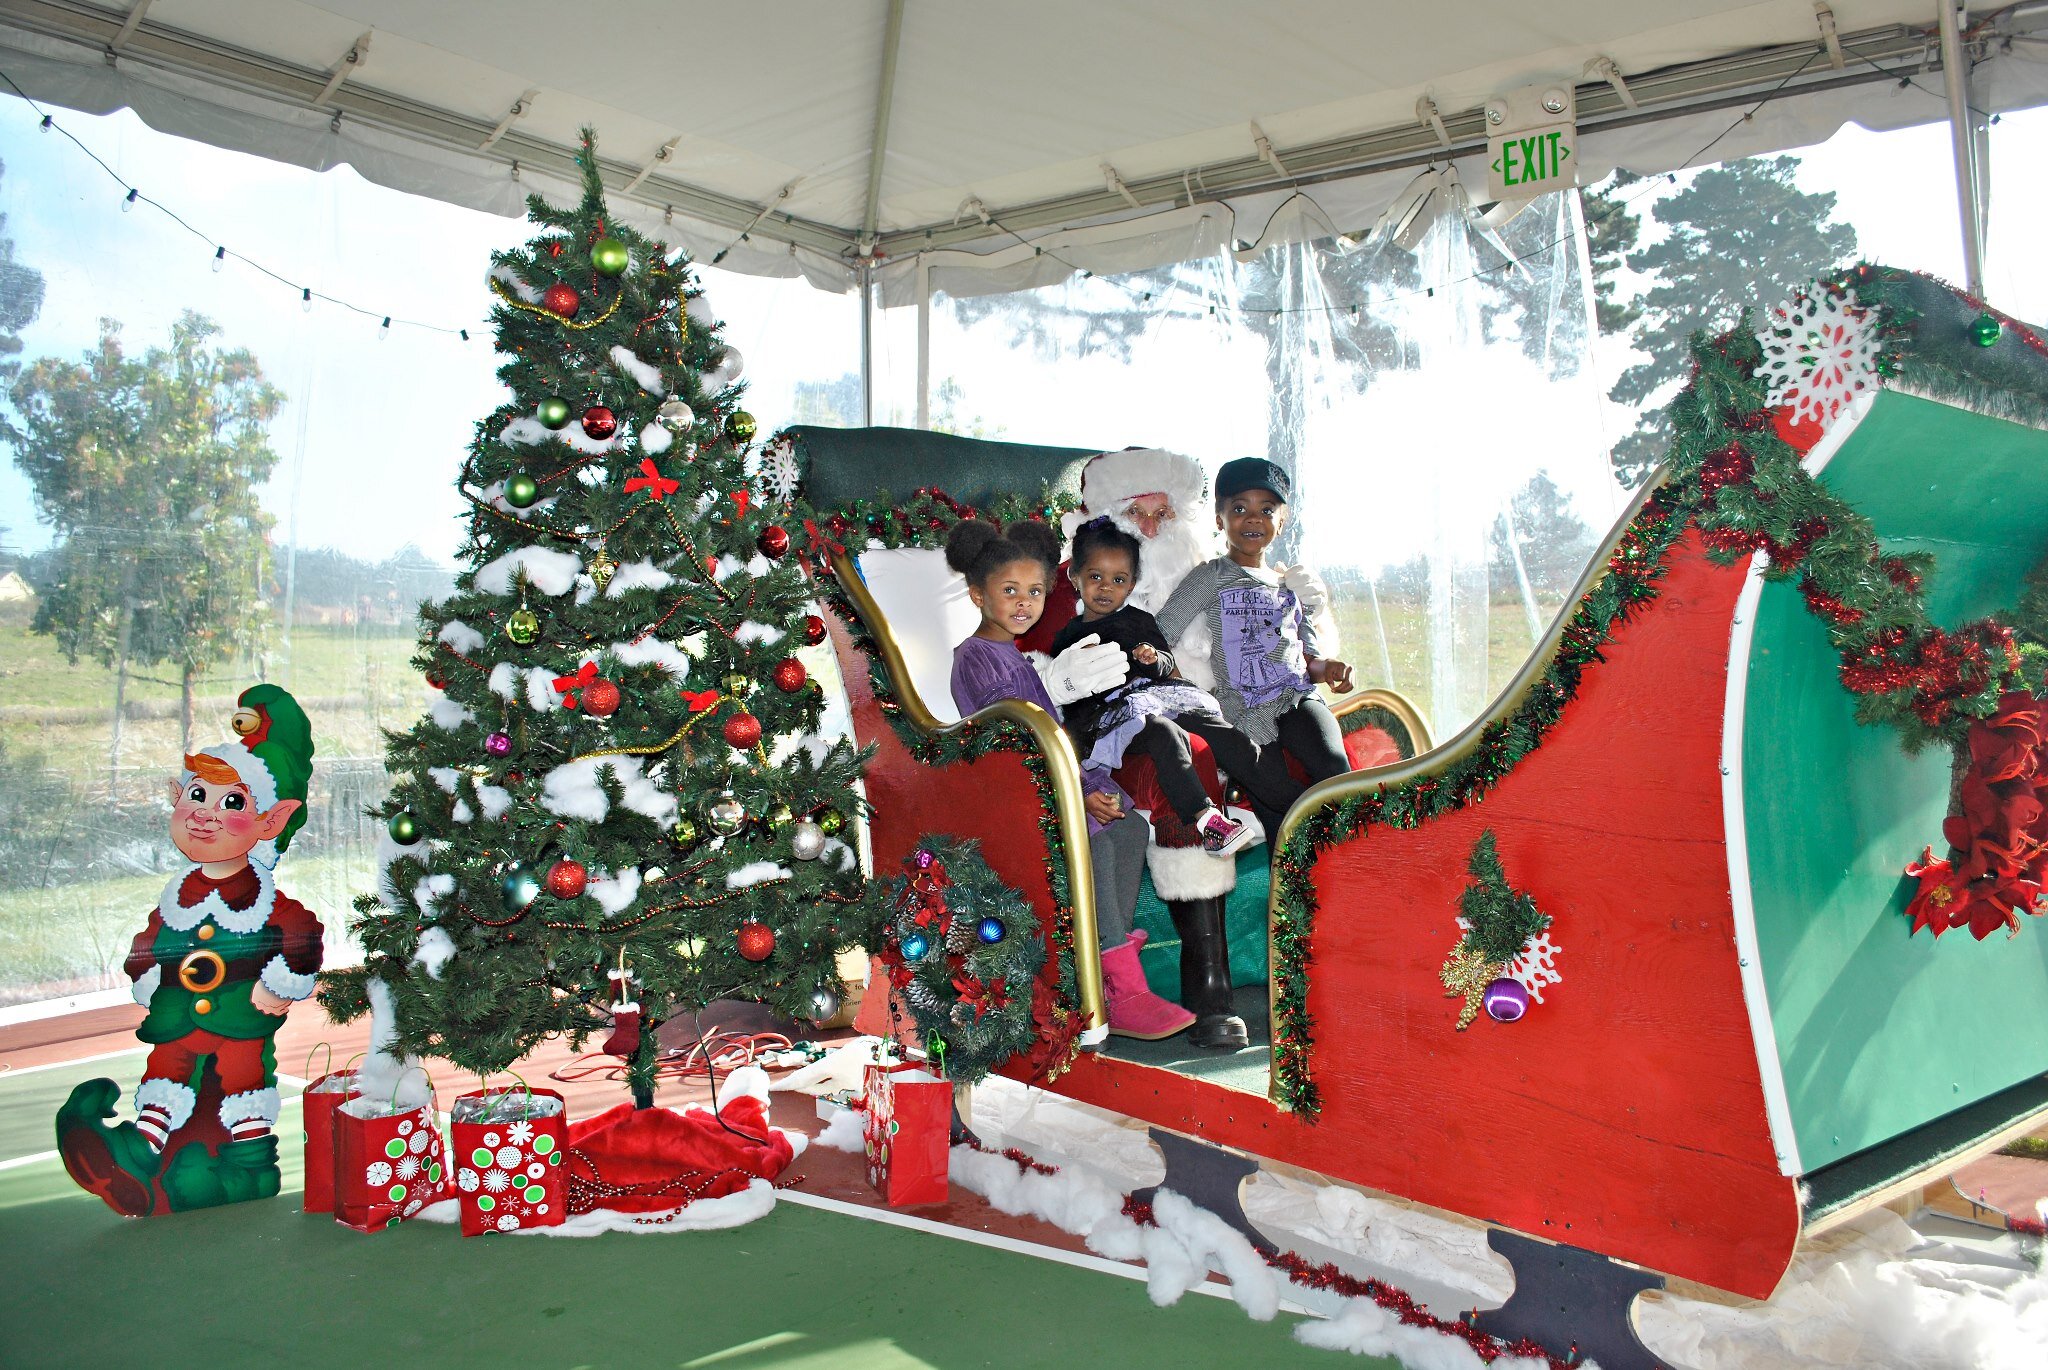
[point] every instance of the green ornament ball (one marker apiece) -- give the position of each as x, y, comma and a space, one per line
523, 627
609, 256
739, 426
404, 828
780, 816
831, 821
685, 832
518, 887
521, 491
1985, 330
552, 412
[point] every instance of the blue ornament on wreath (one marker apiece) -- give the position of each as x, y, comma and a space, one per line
518, 887
915, 946
991, 930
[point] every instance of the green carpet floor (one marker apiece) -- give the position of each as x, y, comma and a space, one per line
1249, 1070
262, 1284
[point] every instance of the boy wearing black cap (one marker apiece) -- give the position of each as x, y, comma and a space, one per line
1261, 625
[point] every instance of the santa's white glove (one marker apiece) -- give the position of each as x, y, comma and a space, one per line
1088, 667
1309, 590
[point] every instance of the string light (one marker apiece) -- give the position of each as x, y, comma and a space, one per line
384, 329
133, 196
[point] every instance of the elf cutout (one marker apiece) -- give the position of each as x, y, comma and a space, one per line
222, 960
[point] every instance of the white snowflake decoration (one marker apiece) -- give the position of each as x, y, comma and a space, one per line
779, 476
378, 1175
1537, 965
1820, 352
491, 1140
466, 1180
497, 1181
519, 1134
536, 1171
418, 1142
508, 1222
408, 1166
508, 1157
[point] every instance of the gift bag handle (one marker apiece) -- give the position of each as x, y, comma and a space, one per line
433, 1096
319, 1046
484, 1086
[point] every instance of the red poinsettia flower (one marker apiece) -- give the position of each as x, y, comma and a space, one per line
1938, 895
2006, 746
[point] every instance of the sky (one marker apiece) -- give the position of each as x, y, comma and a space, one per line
374, 427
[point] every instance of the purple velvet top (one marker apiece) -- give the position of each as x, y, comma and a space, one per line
985, 672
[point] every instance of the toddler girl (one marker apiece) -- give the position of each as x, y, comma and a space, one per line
1008, 573
1153, 711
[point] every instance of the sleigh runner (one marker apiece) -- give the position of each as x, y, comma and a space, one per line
1748, 1041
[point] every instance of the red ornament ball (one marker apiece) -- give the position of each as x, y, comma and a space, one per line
742, 730
600, 699
757, 941
435, 681
599, 422
814, 629
790, 675
561, 299
567, 878
773, 542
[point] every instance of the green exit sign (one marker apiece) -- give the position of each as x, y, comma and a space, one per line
1531, 162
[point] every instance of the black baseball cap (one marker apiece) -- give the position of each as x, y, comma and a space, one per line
1253, 473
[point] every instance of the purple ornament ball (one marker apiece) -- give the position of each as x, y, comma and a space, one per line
924, 859
498, 744
1506, 1000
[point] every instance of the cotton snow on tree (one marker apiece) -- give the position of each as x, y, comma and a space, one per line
1737, 233
147, 469
617, 807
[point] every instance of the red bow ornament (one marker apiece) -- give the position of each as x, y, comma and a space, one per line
650, 479
567, 685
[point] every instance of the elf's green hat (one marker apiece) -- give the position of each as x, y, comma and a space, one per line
275, 756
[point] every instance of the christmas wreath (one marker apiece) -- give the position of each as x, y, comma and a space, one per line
963, 952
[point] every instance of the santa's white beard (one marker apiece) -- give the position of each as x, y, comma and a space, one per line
1165, 560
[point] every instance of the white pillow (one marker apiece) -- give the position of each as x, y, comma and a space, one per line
925, 604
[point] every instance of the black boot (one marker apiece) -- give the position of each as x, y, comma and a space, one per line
1205, 974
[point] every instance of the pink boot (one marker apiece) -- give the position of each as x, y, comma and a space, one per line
1134, 1010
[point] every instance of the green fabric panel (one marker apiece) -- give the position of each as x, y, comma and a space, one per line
1244, 917
840, 465
1939, 1141
1878, 1032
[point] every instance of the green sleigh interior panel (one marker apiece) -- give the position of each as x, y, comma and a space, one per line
1879, 1032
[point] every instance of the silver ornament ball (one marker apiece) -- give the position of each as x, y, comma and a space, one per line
824, 1003
806, 840
675, 416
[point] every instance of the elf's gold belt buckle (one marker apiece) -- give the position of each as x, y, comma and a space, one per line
201, 971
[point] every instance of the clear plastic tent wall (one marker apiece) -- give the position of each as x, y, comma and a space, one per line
359, 518
1437, 408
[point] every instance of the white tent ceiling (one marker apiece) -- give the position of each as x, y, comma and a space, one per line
770, 111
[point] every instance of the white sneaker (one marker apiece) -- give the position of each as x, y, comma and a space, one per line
1222, 835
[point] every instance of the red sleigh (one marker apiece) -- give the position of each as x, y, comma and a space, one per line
1748, 1043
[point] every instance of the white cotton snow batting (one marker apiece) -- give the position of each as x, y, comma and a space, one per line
637, 575
755, 873
527, 431
462, 813
540, 689
384, 1073
444, 776
757, 1200
840, 854
700, 312
461, 636
654, 439
572, 790
548, 571
428, 891
436, 949
496, 800
446, 713
844, 1133
653, 651
728, 566
647, 377
614, 892
504, 681
752, 632
1364, 1328
507, 277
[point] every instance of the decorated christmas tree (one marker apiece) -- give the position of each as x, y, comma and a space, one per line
617, 806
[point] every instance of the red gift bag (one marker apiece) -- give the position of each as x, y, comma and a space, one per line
508, 1145
388, 1162
316, 1108
909, 1115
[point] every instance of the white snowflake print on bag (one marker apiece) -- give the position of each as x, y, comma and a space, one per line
1820, 352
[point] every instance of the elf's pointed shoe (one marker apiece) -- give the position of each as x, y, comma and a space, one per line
117, 1163
1134, 1010
248, 1169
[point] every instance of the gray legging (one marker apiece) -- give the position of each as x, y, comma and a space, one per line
1118, 855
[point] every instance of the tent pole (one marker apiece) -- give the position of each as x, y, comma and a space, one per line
867, 346
885, 96
924, 343
1955, 73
